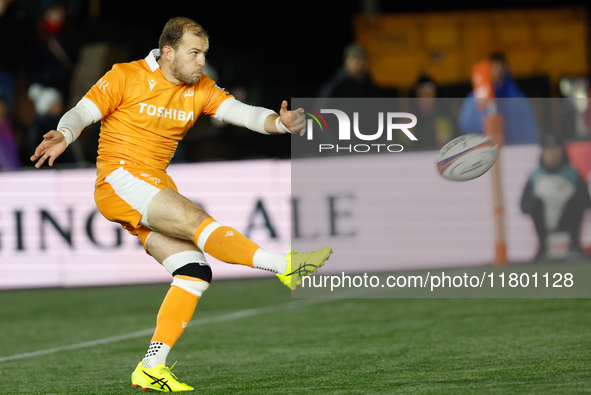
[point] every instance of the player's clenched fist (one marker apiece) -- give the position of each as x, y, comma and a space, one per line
52, 146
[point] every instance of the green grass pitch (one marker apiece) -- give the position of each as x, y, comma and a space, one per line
347, 346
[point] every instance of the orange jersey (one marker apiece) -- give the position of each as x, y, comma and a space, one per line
145, 115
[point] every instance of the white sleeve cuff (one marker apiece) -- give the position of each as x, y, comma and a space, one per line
75, 120
240, 114
92, 108
221, 111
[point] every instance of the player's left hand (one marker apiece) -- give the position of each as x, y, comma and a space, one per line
294, 120
52, 146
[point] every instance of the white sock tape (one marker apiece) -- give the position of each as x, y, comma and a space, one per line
196, 287
205, 234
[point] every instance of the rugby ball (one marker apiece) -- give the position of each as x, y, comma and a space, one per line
467, 157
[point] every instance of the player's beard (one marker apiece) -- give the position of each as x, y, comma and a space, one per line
178, 73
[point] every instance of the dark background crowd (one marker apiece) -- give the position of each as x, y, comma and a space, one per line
263, 53
53, 51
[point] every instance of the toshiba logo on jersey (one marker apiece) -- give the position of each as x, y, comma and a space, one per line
164, 112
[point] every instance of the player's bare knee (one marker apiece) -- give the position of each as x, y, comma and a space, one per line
173, 214
189, 219
161, 247
199, 215
190, 270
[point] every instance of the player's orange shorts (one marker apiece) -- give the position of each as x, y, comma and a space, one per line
125, 193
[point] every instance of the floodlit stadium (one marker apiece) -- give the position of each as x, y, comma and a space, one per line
356, 197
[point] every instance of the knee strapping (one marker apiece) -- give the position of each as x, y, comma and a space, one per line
190, 270
193, 278
200, 271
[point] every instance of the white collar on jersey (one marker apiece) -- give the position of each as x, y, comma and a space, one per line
151, 59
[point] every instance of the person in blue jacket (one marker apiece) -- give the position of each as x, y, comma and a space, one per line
518, 117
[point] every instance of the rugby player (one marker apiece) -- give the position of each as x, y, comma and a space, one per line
146, 108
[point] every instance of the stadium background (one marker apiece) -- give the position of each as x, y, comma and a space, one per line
290, 52
274, 51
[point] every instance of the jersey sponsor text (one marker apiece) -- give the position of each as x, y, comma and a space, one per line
164, 112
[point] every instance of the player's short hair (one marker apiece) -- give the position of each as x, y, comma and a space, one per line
175, 28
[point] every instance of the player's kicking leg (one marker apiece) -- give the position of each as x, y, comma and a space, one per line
191, 277
172, 214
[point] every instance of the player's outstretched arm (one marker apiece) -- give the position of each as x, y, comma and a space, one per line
260, 119
69, 128
52, 146
287, 121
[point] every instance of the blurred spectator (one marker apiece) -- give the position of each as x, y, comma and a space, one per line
47, 101
556, 196
54, 51
52, 58
571, 107
587, 114
436, 124
49, 107
8, 142
352, 79
518, 117
13, 39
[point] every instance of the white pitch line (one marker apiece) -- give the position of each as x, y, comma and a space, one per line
204, 321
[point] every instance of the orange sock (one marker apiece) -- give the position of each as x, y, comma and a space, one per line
174, 315
225, 243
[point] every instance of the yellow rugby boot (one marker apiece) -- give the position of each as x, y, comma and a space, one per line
301, 264
158, 378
